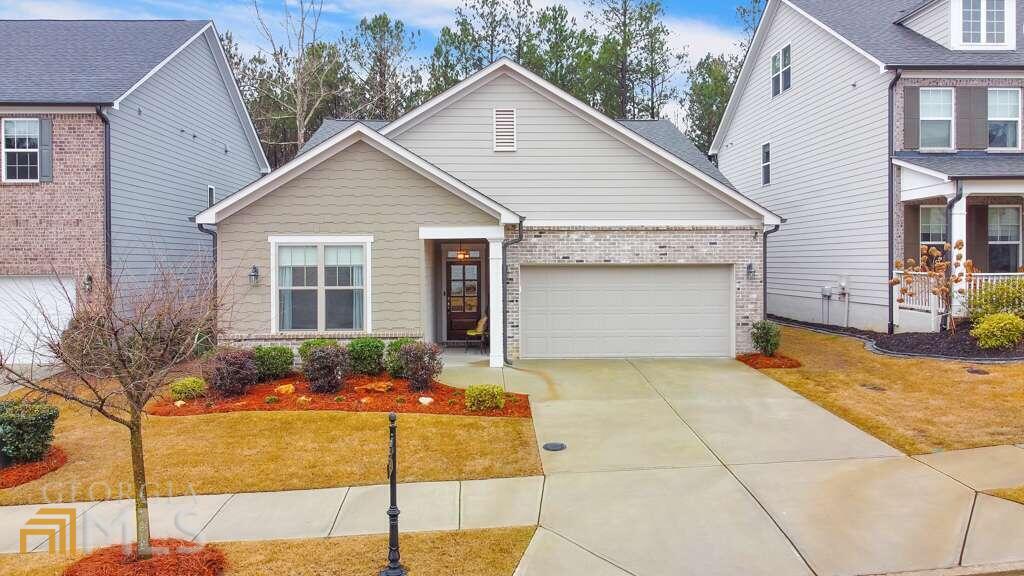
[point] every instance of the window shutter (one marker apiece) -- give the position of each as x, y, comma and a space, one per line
504, 130
977, 234
911, 232
45, 150
911, 118
972, 118
979, 123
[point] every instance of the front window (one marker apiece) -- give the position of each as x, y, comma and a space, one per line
1004, 118
782, 73
321, 287
1003, 238
933, 226
937, 118
984, 21
21, 150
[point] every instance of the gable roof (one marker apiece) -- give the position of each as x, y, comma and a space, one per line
357, 132
84, 61
331, 126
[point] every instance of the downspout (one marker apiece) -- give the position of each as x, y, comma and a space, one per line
504, 285
949, 234
108, 259
764, 272
892, 194
213, 236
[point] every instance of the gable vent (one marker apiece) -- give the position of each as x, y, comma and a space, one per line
504, 130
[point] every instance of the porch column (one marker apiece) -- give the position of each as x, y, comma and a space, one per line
496, 280
958, 229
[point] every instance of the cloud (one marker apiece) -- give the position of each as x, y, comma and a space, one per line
428, 14
699, 37
61, 10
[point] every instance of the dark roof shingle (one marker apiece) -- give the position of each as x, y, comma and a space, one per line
83, 61
332, 126
968, 164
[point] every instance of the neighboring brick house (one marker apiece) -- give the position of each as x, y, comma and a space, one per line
112, 135
878, 132
504, 199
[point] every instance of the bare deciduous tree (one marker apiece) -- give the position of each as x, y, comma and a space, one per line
944, 276
123, 344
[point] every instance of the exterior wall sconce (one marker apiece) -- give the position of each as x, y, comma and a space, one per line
750, 271
87, 284
254, 276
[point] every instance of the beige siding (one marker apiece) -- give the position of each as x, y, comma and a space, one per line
361, 191
933, 23
829, 144
565, 168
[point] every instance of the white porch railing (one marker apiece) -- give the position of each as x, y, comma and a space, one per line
979, 281
921, 299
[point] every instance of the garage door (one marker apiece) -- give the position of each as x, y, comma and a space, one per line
25, 304
617, 311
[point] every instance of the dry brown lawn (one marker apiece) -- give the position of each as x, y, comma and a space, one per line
916, 405
1014, 494
494, 552
264, 451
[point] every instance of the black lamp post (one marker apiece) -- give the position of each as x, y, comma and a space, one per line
394, 567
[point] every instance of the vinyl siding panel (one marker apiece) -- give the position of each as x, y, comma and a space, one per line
829, 169
564, 168
168, 142
358, 192
933, 23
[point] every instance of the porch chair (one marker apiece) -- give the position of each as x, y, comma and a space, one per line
479, 334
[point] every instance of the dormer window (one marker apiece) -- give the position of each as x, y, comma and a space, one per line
984, 24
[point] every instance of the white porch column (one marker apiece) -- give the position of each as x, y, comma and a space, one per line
496, 280
959, 232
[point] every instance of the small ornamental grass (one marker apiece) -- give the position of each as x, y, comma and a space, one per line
481, 397
767, 337
366, 355
26, 430
308, 346
422, 363
273, 362
327, 369
392, 359
1002, 330
188, 388
233, 372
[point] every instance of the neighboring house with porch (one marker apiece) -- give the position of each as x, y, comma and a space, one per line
877, 129
504, 198
114, 133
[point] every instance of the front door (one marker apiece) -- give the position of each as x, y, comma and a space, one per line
463, 297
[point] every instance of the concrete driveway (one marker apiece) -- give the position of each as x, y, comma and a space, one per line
707, 467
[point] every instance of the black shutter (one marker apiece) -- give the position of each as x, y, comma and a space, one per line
45, 150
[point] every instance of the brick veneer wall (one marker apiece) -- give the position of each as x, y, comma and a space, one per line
642, 245
58, 225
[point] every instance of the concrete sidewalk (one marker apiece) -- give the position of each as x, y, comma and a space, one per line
427, 506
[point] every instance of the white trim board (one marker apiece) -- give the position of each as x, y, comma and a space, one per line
462, 233
328, 149
562, 98
640, 223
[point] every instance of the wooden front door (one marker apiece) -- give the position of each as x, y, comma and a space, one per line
463, 297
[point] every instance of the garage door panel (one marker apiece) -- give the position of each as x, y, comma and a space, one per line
615, 311
28, 305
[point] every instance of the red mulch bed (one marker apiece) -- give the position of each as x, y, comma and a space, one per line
23, 473
399, 398
171, 557
761, 362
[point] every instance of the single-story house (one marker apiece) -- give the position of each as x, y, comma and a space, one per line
503, 199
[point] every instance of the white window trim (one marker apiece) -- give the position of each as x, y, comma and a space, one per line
782, 68
920, 218
1020, 224
957, 21
320, 241
951, 119
1017, 120
762, 164
3, 153
515, 130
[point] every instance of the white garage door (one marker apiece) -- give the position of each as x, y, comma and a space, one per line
27, 304
618, 311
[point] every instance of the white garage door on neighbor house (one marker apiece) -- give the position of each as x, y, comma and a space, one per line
622, 311
27, 304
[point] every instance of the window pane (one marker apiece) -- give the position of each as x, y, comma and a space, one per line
1003, 258
296, 266
775, 65
343, 255
456, 272
787, 79
471, 304
933, 225
776, 85
344, 309
766, 153
936, 103
995, 21
936, 134
1003, 224
766, 174
298, 309
1002, 135
786, 57
22, 165
21, 133
1003, 104
972, 21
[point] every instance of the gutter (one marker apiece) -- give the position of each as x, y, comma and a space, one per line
213, 235
892, 196
108, 259
504, 285
764, 272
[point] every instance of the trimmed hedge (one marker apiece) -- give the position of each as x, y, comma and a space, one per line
1005, 296
366, 355
767, 337
188, 388
422, 363
392, 360
234, 371
309, 345
1002, 330
26, 430
480, 397
327, 368
273, 362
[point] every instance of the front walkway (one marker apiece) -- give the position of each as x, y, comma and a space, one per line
707, 467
